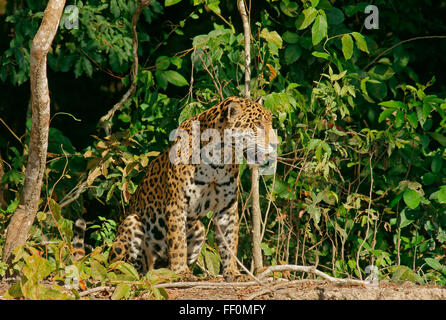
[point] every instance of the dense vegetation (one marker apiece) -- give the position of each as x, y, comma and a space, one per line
360, 113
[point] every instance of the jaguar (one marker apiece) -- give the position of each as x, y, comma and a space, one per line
162, 227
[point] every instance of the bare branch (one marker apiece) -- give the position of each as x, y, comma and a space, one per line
106, 119
309, 269
78, 190
228, 247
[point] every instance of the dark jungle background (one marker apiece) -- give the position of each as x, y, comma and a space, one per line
360, 113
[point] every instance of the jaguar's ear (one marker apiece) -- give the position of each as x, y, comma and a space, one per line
232, 110
259, 100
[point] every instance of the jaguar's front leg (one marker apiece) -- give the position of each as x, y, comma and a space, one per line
176, 241
226, 231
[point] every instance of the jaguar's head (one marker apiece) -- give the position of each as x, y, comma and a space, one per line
251, 129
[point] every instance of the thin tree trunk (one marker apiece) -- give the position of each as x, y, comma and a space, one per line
256, 221
255, 210
247, 40
23, 217
3, 203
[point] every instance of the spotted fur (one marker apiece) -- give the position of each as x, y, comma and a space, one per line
163, 227
78, 238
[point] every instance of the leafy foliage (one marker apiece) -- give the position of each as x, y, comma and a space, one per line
361, 118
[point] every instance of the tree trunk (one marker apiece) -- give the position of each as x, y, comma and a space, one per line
247, 40
23, 217
255, 209
3, 203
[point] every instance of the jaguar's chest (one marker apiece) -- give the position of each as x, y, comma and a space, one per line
211, 188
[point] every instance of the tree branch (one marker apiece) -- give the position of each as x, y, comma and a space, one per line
106, 119
309, 269
400, 43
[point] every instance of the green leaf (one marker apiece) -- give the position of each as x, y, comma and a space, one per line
315, 214
127, 269
200, 40
36, 268
214, 6
396, 200
272, 37
442, 194
162, 63
404, 221
435, 264
78, 68
347, 46
66, 227
55, 209
322, 55
121, 291
404, 273
360, 42
428, 178
441, 139
334, 16
289, 8
114, 8
399, 119
306, 18
437, 164
175, 78
14, 291
282, 190
290, 37
98, 271
161, 79
176, 61
413, 119
169, 3
160, 293
88, 67
411, 198
124, 117
212, 262
427, 108
266, 249
385, 114
319, 29
339, 76
394, 104
292, 53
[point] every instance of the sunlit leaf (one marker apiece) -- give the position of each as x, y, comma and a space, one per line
175, 78
319, 29
411, 198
